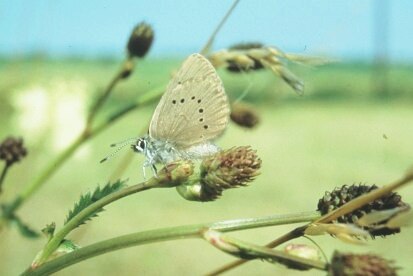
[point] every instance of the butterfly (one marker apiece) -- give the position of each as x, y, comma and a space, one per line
193, 111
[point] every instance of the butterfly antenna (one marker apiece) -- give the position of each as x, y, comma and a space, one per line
120, 145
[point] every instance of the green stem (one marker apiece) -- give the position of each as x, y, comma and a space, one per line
54, 242
286, 237
343, 210
170, 233
46, 174
247, 250
105, 95
101, 100
146, 99
211, 39
3, 175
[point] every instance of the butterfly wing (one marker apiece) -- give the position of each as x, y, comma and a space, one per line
194, 108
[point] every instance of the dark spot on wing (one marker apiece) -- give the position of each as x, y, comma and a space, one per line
205, 126
199, 101
182, 100
173, 101
193, 98
201, 110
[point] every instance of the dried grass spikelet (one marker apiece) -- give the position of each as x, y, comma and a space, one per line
255, 56
348, 233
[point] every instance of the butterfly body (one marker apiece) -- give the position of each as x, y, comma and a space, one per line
163, 152
193, 111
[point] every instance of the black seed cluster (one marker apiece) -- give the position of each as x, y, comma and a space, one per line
12, 150
339, 196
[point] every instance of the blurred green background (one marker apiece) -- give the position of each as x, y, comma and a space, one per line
339, 132
352, 125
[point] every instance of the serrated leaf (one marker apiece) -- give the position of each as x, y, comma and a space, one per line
89, 198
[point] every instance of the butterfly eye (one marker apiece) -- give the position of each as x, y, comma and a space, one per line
139, 146
142, 144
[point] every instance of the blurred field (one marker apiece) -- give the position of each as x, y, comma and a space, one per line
338, 133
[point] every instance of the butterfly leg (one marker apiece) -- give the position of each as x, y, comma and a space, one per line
144, 172
154, 171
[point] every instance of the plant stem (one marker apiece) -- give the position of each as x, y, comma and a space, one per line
105, 95
3, 175
286, 237
54, 242
211, 39
83, 137
148, 98
170, 233
248, 250
343, 210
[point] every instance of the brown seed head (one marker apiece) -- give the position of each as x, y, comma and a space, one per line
228, 169
360, 265
12, 150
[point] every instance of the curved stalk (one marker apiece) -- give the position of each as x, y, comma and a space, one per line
54, 242
147, 98
170, 233
343, 210
211, 39
3, 175
105, 95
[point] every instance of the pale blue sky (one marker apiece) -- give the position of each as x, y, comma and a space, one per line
340, 28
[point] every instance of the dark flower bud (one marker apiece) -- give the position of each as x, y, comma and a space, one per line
12, 150
360, 265
339, 196
140, 40
244, 115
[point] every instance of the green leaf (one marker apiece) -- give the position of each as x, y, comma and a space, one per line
89, 198
13, 219
24, 229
